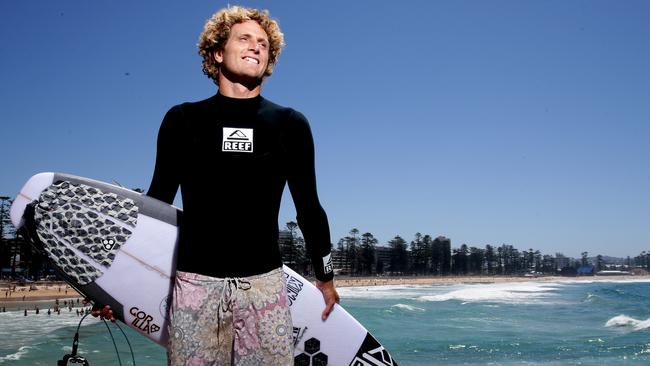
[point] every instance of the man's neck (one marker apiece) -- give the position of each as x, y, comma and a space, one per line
237, 90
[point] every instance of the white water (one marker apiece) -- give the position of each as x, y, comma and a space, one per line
626, 321
16, 356
510, 292
407, 307
505, 292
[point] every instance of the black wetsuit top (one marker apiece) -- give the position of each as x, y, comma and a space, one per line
231, 158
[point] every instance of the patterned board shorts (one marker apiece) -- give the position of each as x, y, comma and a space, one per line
230, 321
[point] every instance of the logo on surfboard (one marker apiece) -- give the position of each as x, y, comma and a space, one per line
143, 320
312, 356
294, 286
298, 332
237, 140
108, 244
371, 353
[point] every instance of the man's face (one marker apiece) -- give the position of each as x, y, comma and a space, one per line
246, 53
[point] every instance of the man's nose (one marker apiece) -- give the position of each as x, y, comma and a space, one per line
254, 46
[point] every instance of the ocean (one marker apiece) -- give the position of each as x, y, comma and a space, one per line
520, 323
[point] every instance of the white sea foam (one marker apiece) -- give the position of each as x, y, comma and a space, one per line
504, 292
16, 356
408, 307
386, 292
626, 321
509, 292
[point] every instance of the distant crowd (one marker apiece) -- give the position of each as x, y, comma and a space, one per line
79, 307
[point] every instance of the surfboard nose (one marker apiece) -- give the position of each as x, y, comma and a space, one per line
30, 192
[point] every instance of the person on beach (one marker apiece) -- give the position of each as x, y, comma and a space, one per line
231, 155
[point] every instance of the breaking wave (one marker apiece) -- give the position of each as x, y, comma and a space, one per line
626, 321
513, 292
408, 307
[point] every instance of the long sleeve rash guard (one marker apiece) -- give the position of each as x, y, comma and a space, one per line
231, 158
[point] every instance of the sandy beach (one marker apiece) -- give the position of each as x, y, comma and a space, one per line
13, 296
54, 290
43, 296
453, 280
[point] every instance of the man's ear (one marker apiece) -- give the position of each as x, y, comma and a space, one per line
218, 55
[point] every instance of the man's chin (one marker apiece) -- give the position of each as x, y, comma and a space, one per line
250, 81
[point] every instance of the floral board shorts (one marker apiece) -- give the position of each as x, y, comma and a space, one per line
230, 321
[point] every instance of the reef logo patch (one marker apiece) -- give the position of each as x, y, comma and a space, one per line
237, 140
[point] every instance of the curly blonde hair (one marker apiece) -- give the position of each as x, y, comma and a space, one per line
217, 30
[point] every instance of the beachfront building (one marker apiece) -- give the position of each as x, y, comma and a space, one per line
12, 254
339, 262
382, 258
561, 261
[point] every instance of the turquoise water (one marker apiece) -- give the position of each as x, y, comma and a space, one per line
528, 323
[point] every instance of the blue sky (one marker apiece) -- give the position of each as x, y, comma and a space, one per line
489, 122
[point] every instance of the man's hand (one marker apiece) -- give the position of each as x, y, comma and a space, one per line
102, 313
330, 296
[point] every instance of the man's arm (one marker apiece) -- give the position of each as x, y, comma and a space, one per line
165, 181
310, 214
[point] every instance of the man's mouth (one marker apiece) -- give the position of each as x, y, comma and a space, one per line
252, 60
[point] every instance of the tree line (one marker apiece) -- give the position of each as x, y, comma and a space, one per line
358, 254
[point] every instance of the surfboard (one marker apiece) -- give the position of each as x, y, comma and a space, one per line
117, 247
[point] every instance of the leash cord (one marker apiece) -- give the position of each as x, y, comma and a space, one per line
114, 344
80, 321
127, 341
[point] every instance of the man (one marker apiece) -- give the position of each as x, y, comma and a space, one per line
231, 155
